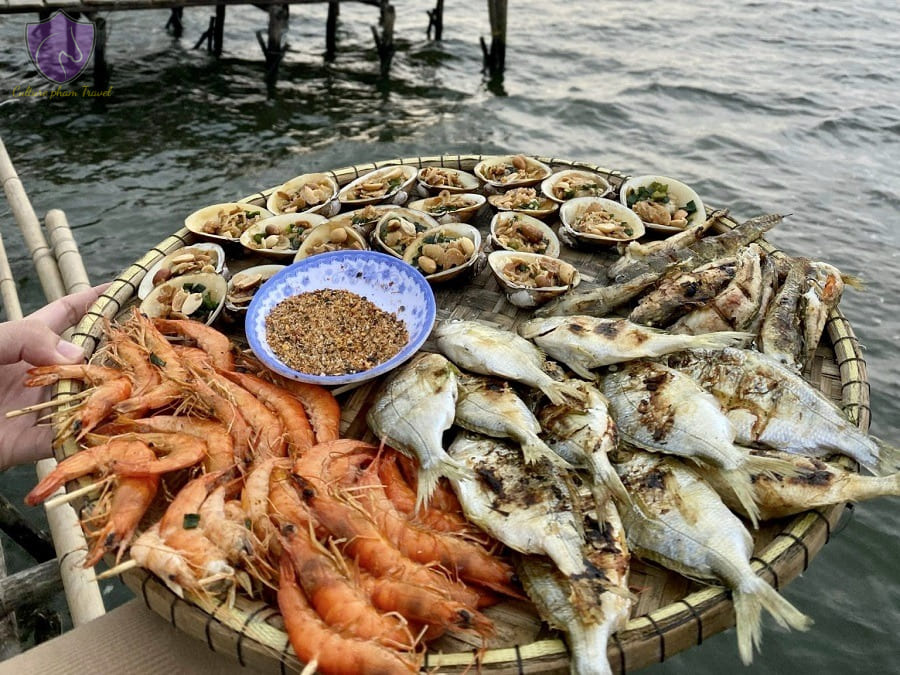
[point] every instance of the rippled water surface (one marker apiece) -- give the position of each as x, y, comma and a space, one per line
761, 106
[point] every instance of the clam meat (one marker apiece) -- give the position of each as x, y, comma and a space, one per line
536, 272
283, 236
188, 261
439, 254
519, 199
380, 185
305, 196
436, 176
517, 170
517, 234
596, 220
446, 203
398, 232
185, 301
230, 222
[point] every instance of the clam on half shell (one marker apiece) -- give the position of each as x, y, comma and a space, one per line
528, 294
398, 177
526, 228
277, 202
502, 172
413, 223
572, 210
244, 284
445, 234
594, 185
330, 236
308, 221
468, 182
198, 219
168, 263
189, 284
433, 207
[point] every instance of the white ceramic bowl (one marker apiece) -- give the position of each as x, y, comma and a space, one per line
679, 194
382, 279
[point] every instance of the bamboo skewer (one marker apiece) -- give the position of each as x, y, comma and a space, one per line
66, 497
62, 400
117, 570
82, 592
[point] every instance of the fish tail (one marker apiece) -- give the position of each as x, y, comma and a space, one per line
719, 340
604, 474
533, 448
750, 599
888, 458
740, 482
853, 281
429, 477
562, 393
771, 466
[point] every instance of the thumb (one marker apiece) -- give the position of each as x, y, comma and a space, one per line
32, 341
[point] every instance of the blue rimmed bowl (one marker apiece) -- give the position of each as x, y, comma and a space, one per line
385, 281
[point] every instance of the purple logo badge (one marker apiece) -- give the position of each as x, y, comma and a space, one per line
60, 47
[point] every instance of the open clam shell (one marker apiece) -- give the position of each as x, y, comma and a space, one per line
521, 276
507, 171
399, 227
450, 207
197, 296
679, 195
571, 183
206, 222
514, 231
260, 237
312, 193
363, 220
330, 236
574, 210
537, 207
381, 185
244, 284
433, 179
444, 237
172, 266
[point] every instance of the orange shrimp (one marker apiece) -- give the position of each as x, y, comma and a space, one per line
373, 551
232, 536
267, 429
255, 496
339, 460
228, 414
179, 452
219, 444
211, 568
323, 648
188, 501
322, 408
290, 411
136, 361
341, 603
403, 497
464, 558
161, 351
107, 458
211, 341
130, 500
151, 552
111, 386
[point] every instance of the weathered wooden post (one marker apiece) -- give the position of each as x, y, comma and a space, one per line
175, 22
495, 57
101, 72
436, 21
219, 33
274, 46
334, 11
384, 42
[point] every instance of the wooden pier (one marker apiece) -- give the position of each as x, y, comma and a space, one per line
272, 41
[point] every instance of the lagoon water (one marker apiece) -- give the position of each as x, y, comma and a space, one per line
789, 107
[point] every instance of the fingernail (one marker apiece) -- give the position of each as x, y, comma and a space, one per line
69, 351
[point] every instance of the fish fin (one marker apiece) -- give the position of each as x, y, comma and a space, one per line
562, 393
605, 476
740, 482
888, 458
750, 599
533, 448
578, 367
771, 466
428, 478
722, 339
853, 281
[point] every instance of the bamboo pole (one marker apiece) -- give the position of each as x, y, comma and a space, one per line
71, 267
82, 592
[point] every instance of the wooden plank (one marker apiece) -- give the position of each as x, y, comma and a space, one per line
34, 6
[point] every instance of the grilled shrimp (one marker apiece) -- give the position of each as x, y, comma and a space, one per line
211, 341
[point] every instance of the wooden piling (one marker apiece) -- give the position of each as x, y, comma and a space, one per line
384, 42
30, 587
65, 250
175, 22
436, 21
274, 46
82, 592
495, 57
334, 10
219, 33
101, 71
34, 542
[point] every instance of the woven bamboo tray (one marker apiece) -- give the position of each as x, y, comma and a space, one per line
672, 613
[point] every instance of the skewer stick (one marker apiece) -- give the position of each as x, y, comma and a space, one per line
117, 570
66, 497
62, 400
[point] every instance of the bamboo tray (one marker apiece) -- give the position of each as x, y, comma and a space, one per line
672, 613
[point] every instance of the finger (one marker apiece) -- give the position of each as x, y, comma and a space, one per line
34, 342
67, 311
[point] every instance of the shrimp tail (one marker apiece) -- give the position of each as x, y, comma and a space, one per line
750, 599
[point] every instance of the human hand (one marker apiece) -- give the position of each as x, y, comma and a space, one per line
35, 341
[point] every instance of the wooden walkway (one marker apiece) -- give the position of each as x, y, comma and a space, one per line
87, 6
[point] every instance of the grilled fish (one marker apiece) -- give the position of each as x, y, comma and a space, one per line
589, 607
585, 342
489, 406
584, 436
602, 300
825, 285
531, 510
412, 410
692, 532
490, 351
662, 410
779, 335
773, 406
816, 483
